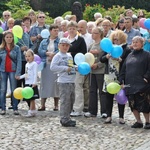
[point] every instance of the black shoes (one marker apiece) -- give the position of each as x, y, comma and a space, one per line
147, 125
11, 107
70, 123
137, 125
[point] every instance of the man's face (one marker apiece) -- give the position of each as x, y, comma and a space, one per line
41, 18
82, 28
128, 23
54, 32
6, 16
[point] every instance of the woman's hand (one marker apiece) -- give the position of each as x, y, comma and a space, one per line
108, 56
94, 66
95, 51
34, 85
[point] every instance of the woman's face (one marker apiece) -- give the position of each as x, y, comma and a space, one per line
72, 31
8, 39
137, 44
95, 34
121, 25
116, 40
10, 24
33, 17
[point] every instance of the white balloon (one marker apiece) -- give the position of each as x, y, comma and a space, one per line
89, 58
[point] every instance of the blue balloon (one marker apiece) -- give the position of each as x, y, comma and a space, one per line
45, 33
116, 51
79, 58
106, 45
147, 23
84, 68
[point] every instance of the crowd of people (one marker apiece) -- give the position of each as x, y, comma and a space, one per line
77, 94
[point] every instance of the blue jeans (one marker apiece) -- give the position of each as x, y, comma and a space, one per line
13, 85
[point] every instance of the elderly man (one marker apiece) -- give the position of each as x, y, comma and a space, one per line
81, 104
97, 15
6, 16
36, 31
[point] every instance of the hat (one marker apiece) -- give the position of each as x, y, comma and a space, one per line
64, 41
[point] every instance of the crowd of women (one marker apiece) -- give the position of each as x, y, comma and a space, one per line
131, 68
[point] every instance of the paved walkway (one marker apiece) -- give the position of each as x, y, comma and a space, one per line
44, 132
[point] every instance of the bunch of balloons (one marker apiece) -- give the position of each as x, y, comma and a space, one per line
20, 93
107, 46
84, 62
144, 23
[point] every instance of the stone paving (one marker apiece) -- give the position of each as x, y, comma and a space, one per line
44, 132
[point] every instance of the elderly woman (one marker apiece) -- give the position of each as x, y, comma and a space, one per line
113, 66
136, 72
96, 75
48, 88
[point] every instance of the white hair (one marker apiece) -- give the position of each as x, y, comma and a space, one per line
91, 23
67, 17
64, 22
58, 19
97, 14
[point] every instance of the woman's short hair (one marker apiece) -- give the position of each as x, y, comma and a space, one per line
121, 36
138, 38
72, 24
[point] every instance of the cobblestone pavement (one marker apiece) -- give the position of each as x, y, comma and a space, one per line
44, 132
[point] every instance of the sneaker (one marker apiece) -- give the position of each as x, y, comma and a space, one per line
137, 125
104, 115
108, 120
3, 112
76, 114
88, 114
30, 114
147, 125
16, 112
70, 123
121, 121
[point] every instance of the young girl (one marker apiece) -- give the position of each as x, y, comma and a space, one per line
31, 80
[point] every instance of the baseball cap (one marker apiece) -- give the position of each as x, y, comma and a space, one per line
64, 41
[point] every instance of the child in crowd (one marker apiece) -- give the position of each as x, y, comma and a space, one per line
31, 80
62, 64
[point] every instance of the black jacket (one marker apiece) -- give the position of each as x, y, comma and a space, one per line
134, 70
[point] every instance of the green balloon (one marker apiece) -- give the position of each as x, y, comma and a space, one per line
15, 40
27, 92
1, 30
113, 88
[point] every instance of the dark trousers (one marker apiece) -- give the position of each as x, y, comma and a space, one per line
96, 85
109, 105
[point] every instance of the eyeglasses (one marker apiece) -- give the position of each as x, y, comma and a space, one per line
6, 15
95, 33
41, 17
115, 39
105, 25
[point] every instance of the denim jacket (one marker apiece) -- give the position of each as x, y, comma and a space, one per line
43, 48
15, 55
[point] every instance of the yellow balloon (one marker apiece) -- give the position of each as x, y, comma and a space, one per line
18, 93
113, 88
17, 31
89, 58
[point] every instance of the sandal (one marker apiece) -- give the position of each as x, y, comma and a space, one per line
108, 120
41, 109
121, 121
